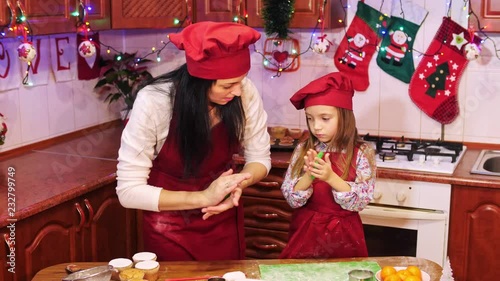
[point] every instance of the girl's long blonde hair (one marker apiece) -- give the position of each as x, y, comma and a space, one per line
346, 139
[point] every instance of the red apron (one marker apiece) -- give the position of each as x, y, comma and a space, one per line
184, 235
322, 229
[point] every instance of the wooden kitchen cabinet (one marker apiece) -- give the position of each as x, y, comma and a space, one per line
488, 13
267, 217
55, 16
473, 235
110, 230
100, 15
54, 234
92, 227
148, 13
218, 10
5, 274
5, 15
306, 13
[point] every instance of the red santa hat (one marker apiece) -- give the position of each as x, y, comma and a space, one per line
334, 89
216, 50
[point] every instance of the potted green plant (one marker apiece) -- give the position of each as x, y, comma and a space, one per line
120, 78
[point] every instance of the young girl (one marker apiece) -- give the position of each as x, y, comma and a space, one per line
328, 192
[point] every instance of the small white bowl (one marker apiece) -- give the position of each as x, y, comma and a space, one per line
144, 256
151, 269
119, 265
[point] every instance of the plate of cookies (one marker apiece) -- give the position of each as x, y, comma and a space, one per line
283, 138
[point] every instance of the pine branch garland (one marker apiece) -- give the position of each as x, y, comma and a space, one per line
277, 15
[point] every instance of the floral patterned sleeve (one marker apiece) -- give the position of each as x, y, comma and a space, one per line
295, 199
361, 189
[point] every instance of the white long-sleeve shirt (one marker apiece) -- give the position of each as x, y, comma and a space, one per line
147, 129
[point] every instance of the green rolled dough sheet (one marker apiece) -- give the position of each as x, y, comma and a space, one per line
328, 271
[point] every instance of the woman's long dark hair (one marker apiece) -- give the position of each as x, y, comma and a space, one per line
191, 116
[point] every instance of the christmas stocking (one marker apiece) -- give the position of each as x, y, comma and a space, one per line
395, 56
359, 44
433, 87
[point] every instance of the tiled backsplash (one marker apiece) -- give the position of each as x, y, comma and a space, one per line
43, 112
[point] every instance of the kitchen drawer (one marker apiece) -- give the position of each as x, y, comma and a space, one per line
267, 213
264, 244
268, 187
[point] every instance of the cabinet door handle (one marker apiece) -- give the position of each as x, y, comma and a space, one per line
6, 239
267, 184
265, 215
12, 14
90, 209
79, 209
265, 246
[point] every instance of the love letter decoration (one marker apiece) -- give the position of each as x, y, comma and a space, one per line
281, 54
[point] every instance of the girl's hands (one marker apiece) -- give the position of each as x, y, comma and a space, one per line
223, 193
317, 167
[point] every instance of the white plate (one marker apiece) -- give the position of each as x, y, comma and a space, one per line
425, 275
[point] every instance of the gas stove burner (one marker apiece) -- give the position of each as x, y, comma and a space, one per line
434, 156
387, 156
432, 150
400, 144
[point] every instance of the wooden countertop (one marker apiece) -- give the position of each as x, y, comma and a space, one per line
65, 168
48, 176
249, 267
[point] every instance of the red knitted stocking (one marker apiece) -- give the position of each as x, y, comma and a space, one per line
433, 86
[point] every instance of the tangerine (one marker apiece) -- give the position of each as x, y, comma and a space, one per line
392, 277
413, 278
403, 273
415, 271
386, 271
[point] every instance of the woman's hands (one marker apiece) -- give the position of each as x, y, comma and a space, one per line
223, 193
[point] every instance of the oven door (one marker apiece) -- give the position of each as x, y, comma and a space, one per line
395, 231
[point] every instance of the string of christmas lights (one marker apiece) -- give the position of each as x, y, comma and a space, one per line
21, 27
481, 29
239, 18
84, 26
438, 51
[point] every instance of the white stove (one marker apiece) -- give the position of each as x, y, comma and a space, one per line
410, 218
417, 155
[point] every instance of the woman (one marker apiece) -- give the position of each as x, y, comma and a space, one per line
328, 192
176, 150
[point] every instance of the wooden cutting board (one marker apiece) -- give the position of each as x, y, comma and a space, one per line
331, 271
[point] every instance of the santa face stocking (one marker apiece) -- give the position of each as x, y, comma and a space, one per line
358, 45
395, 56
433, 87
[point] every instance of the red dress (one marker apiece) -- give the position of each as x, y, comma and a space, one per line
322, 229
184, 235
